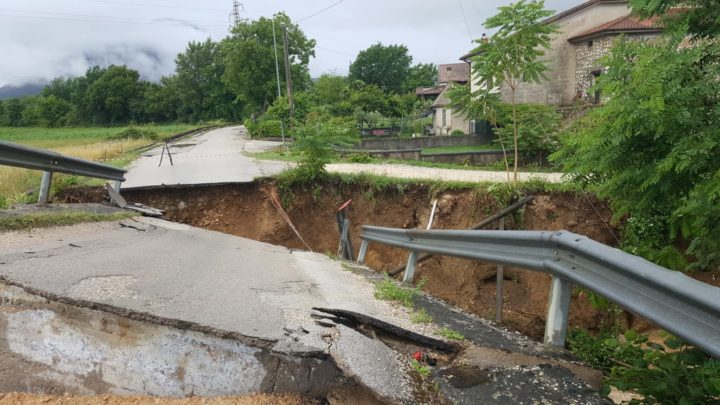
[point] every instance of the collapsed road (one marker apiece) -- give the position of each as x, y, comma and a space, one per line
145, 306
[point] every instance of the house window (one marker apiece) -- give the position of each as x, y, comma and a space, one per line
590, 44
444, 118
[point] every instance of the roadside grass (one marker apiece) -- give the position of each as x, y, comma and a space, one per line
363, 158
389, 290
50, 219
450, 334
461, 149
96, 144
421, 316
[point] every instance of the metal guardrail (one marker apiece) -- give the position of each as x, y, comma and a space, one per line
686, 307
49, 162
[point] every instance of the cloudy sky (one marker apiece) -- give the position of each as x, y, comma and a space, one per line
43, 39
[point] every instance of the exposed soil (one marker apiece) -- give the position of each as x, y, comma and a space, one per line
247, 211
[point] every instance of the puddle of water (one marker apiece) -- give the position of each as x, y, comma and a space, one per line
464, 376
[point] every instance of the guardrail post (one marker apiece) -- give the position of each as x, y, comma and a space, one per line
558, 312
363, 251
499, 279
410, 268
45, 187
116, 185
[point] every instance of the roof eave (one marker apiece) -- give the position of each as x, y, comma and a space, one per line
593, 35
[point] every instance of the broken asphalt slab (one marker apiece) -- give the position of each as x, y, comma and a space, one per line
262, 297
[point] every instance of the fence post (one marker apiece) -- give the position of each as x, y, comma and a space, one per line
558, 312
116, 184
410, 268
45, 187
363, 251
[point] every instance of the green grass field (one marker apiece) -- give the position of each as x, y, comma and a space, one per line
96, 144
461, 149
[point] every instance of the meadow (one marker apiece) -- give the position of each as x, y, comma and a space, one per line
101, 144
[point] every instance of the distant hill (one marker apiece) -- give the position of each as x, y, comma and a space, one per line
29, 89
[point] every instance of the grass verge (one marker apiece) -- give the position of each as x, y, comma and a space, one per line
450, 334
50, 219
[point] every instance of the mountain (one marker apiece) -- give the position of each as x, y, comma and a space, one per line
28, 89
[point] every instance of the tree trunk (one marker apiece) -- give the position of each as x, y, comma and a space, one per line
515, 137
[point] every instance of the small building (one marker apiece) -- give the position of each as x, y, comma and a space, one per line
445, 119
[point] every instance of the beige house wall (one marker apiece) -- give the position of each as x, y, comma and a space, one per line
453, 121
560, 88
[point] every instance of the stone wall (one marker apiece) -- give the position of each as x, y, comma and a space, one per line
587, 55
421, 142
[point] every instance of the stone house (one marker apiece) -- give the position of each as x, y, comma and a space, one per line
587, 32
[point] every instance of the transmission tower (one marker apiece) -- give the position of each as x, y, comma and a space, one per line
236, 14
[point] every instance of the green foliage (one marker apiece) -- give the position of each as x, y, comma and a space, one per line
249, 58
386, 67
316, 143
451, 334
538, 125
420, 75
512, 56
672, 373
137, 133
115, 97
390, 290
699, 17
457, 132
424, 371
652, 148
421, 316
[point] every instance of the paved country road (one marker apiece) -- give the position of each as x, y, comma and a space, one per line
221, 156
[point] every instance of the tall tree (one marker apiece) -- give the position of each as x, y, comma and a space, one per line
384, 66
250, 60
198, 80
421, 75
514, 54
115, 97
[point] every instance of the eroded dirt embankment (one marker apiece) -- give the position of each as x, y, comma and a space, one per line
247, 211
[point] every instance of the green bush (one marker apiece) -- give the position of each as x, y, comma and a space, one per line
457, 132
538, 127
316, 143
137, 133
263, 128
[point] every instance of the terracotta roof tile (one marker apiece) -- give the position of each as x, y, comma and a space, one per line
626, 24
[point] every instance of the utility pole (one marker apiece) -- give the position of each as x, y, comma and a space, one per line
288, 75
277, 74
235, 15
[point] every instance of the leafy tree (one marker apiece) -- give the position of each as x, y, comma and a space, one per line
652, 148
161, 101
513, 55
330, 90
420, 75
201, 93
699, 17
538, 124
3, 117
316, 142
249, 58
384, 66
51, 111
369, 98
115, 96
14, 112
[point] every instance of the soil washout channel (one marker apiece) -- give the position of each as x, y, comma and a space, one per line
246, 210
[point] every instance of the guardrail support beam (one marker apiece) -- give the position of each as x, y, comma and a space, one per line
116, 184
410, 268
558, 312
363, 252
45, 187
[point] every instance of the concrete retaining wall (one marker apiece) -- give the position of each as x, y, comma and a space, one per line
422, 142
472, 158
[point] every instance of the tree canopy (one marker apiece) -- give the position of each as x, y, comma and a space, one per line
699, 17
384, 66
249, 57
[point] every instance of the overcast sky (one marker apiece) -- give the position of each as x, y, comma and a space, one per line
43, 39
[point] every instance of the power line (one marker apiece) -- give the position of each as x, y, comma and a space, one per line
101, 19
467, 25
320, 12
154, 5
334, 51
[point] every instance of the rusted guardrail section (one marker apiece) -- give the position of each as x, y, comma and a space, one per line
686, 307
12, 154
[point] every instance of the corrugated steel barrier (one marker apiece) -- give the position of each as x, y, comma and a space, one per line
685, 307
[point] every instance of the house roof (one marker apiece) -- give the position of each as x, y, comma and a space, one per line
580, 7
441, 101
628, 24
429, 91
454, 72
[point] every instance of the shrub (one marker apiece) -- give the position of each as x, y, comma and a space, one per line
457, 132
316, 143
137, 133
